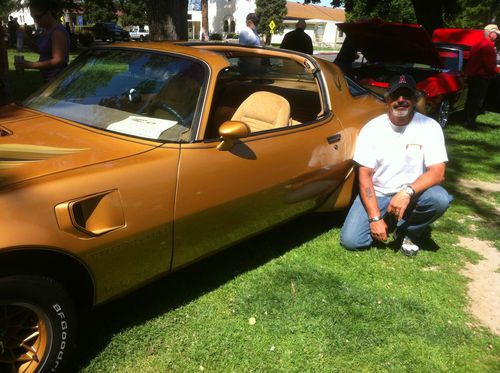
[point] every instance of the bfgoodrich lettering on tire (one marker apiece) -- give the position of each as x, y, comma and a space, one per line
37, 324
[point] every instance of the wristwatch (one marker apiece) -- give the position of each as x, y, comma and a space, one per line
375, 218
409, 190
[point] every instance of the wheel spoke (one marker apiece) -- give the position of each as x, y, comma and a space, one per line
21, 338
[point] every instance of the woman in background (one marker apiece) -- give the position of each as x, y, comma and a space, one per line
53, 42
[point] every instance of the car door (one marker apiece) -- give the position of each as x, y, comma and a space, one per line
266, 178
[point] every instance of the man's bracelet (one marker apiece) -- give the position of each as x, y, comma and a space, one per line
375, 218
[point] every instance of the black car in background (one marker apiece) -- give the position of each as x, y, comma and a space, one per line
109, 31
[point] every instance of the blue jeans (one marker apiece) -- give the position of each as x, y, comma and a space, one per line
427, 207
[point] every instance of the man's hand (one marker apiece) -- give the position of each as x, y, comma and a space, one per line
378, 230
398, 204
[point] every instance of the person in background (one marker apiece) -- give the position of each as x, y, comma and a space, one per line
298, 40
401, 157
480, 70
12, 27
53, 43
249, 35
20, 39
5, 96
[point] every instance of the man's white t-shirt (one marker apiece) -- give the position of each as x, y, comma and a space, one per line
399, 155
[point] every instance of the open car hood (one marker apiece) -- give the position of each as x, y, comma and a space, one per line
457, 36
394, 43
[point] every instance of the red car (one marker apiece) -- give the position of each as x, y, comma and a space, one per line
464, 39
395, 48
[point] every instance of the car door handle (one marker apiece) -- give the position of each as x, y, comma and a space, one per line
334, 138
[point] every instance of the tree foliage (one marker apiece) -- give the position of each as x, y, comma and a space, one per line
8, 6
100, 11
134, 13
270, 10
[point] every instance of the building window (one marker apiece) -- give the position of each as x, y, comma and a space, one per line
229, 25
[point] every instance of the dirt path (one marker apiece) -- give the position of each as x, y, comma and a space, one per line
484, 287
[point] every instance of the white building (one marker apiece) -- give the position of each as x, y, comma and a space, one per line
23, 16
228, 16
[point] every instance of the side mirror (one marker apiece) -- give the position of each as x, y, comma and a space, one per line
230, 131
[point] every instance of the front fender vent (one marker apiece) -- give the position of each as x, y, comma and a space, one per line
92, 215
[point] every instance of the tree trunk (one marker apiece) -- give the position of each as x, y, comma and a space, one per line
495, 8
429, 14
167, 19
204, 20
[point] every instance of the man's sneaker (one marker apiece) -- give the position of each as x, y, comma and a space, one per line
408, 248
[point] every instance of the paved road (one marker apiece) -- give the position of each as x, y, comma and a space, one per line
329, 56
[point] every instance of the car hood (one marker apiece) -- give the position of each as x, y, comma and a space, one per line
386, 42
457, 36
33, 145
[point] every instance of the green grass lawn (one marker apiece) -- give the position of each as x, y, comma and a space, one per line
25, 83
293, 300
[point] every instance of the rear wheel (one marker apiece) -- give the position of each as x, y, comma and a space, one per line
443, 113
37, 326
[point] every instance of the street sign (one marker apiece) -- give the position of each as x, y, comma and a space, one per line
272, 25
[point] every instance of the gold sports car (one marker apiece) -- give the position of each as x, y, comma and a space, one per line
141, 159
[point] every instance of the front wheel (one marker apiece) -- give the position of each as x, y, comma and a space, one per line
37, 324
443, 113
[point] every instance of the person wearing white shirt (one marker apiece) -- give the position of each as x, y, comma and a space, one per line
402, 160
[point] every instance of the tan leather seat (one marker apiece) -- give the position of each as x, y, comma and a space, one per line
263, 111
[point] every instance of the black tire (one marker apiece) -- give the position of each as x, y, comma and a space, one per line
38, 312
443, 113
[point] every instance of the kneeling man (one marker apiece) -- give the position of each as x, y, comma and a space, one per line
401, 157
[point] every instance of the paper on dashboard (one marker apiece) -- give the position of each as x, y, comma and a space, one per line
150, 128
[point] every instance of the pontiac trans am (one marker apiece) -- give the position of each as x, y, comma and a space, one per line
139, 160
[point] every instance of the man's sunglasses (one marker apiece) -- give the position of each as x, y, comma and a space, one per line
407, 95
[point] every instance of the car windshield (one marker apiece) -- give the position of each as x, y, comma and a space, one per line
137, 93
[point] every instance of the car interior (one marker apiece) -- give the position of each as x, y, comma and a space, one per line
266, 93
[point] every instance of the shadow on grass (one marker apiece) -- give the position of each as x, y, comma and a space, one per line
98, 327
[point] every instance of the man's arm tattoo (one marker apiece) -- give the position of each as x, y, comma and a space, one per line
368, 192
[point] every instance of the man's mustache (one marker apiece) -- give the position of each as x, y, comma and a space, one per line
399, 105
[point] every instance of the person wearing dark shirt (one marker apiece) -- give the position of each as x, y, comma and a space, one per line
480, 70
298, 40
12, 27
53, 43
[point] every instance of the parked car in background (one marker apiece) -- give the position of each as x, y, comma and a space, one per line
464, 40
139, 33
159, 154
395, 48
109, 31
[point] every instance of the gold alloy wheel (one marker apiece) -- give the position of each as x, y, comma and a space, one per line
24, 337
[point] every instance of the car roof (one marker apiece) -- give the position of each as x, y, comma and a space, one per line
214, 54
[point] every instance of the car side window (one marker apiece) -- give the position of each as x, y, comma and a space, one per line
266, 93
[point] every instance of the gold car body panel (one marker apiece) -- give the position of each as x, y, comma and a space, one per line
129, 236
225, 196
215, 197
